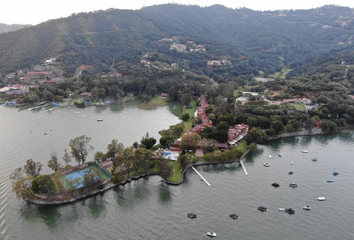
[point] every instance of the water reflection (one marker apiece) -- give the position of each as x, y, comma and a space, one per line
48, 214
96, 205
164, 194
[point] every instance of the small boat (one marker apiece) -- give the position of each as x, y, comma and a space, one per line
291, 172
99, 120
83, 116
314, 159
201, 179
262, 208
321, 198
233, 216
192, 215
335, 173
266, 164
304, 151
293, 185
307, 208
281, 209
270, 156
211, 234
290, 210
330, 181
291, 163
275, 185
279, 155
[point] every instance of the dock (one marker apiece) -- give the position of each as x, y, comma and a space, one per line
200, 175
243, 167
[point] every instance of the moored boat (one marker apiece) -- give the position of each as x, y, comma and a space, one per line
262, 208
291, 172
234, 216
293, 185
99, 120
211, 234
307, 208
192, 215
275, 185
335, 173
279, 155
266, 164
290, 210
321, 198
304, 151
330, 181
314, 159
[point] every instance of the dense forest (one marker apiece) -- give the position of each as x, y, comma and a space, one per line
251, 40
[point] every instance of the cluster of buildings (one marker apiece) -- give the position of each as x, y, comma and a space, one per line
235, 134
224, 62
15, 92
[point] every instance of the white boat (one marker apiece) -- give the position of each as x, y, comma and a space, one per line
211, 234
281, 209
307, 208
270, 156
304, 151
83, 116
291, 163
321, 198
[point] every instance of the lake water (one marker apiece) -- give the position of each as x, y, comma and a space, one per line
150, 209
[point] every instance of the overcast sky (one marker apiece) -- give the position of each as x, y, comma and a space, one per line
37, 11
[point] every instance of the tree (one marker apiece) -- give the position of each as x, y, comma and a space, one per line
148, 142
141, 158
43, 184
164, 168
190, 141
100, 156
80, 147
32, 168
222, 126
185, 117
53, 163
92, 178
114, 148
66, 157
186, 99
21, 184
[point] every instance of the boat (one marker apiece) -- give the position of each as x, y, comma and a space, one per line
279, 155
321, 198
266, 164
99, 120
291, 163
192, 215
270, 156
233, 216
290, 210
335, 173
281, 209
83, 116
262, 208
201, 179
275, 185
211, 234
330, 181
307, 208
304, 151
291, 172
314, 159
293, 185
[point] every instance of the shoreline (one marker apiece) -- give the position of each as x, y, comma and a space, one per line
201, 163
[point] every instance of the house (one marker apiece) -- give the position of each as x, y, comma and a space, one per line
164, 95
245, 97
213, 63
85, 95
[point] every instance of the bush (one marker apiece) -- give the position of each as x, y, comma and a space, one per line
185, 117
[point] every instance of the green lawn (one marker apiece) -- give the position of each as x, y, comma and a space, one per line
176, 108
188, 124
281, 74
176, 174
298, 106
155, 102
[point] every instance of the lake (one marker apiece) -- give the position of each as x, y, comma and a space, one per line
150, 209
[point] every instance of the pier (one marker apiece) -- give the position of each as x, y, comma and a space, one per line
243, 167
200, 175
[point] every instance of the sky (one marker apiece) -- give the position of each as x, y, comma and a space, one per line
37, 11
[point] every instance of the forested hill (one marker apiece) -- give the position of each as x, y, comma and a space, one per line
267, 40
12, 27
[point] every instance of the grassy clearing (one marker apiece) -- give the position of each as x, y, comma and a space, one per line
188, 124
281, 74
176, 174
155, 102
176, 108
298, 106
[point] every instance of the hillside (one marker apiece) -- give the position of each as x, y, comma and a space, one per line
12, 27
251, 40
